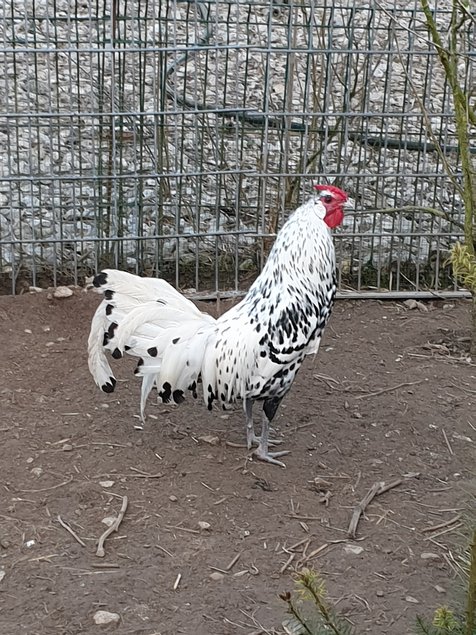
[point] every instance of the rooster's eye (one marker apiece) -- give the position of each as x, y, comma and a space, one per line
327, 198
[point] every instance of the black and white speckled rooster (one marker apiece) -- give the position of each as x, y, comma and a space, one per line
253, 351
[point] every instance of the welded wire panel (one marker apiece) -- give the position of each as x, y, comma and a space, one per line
173, 138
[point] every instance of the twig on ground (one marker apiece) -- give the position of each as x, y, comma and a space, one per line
450, 449
165, 550
297, 517
384, 390
114, 527
177, 581
287, 563
304, 425
230, 566
313, 554
141, 474
190, 531
71, 531
296, 545
47, 489
442, 525
444, 531
377, 488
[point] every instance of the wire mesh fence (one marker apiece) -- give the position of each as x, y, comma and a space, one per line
172, 137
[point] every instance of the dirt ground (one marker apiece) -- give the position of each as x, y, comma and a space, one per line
389, 396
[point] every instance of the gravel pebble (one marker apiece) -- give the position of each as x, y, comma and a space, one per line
105, 617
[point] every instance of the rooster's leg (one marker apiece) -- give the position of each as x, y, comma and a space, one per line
269, 410
250, 428
251, 438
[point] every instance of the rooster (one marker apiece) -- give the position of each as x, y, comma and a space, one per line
253, 351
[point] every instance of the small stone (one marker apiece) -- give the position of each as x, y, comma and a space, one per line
216, 576
353, 549
379, 594
2, 574
67, 447
105, 617
428, 555
411, 599
29, 543
109, 520
440, 589
29, 331
415, 304
106, 483
204, 525
356, 415
62, 292
33, 289
210, 439
37, 471
173, 498
30, 459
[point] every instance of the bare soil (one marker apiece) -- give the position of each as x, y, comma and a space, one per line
389, 396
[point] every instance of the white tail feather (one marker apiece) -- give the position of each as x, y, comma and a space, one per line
97, 360
134, 291
149, 319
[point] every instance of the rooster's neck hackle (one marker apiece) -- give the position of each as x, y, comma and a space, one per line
302, 256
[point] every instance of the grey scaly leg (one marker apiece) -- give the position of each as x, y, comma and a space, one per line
250, 429
269, 410
251, 438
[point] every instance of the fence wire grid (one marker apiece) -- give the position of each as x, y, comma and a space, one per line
172, 138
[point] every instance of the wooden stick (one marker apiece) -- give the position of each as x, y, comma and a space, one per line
165, 550
230, 566
442, 525
313, 553
444, 531
71, 531
297, 544
114, 527
298, 517
141, 474
287, 563
391, 485
377, 488
47, 489
447, 441
381, 392
189, 531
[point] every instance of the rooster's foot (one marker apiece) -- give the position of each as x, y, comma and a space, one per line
253, 440
270, 457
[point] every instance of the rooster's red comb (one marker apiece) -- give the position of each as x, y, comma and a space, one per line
332, 188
